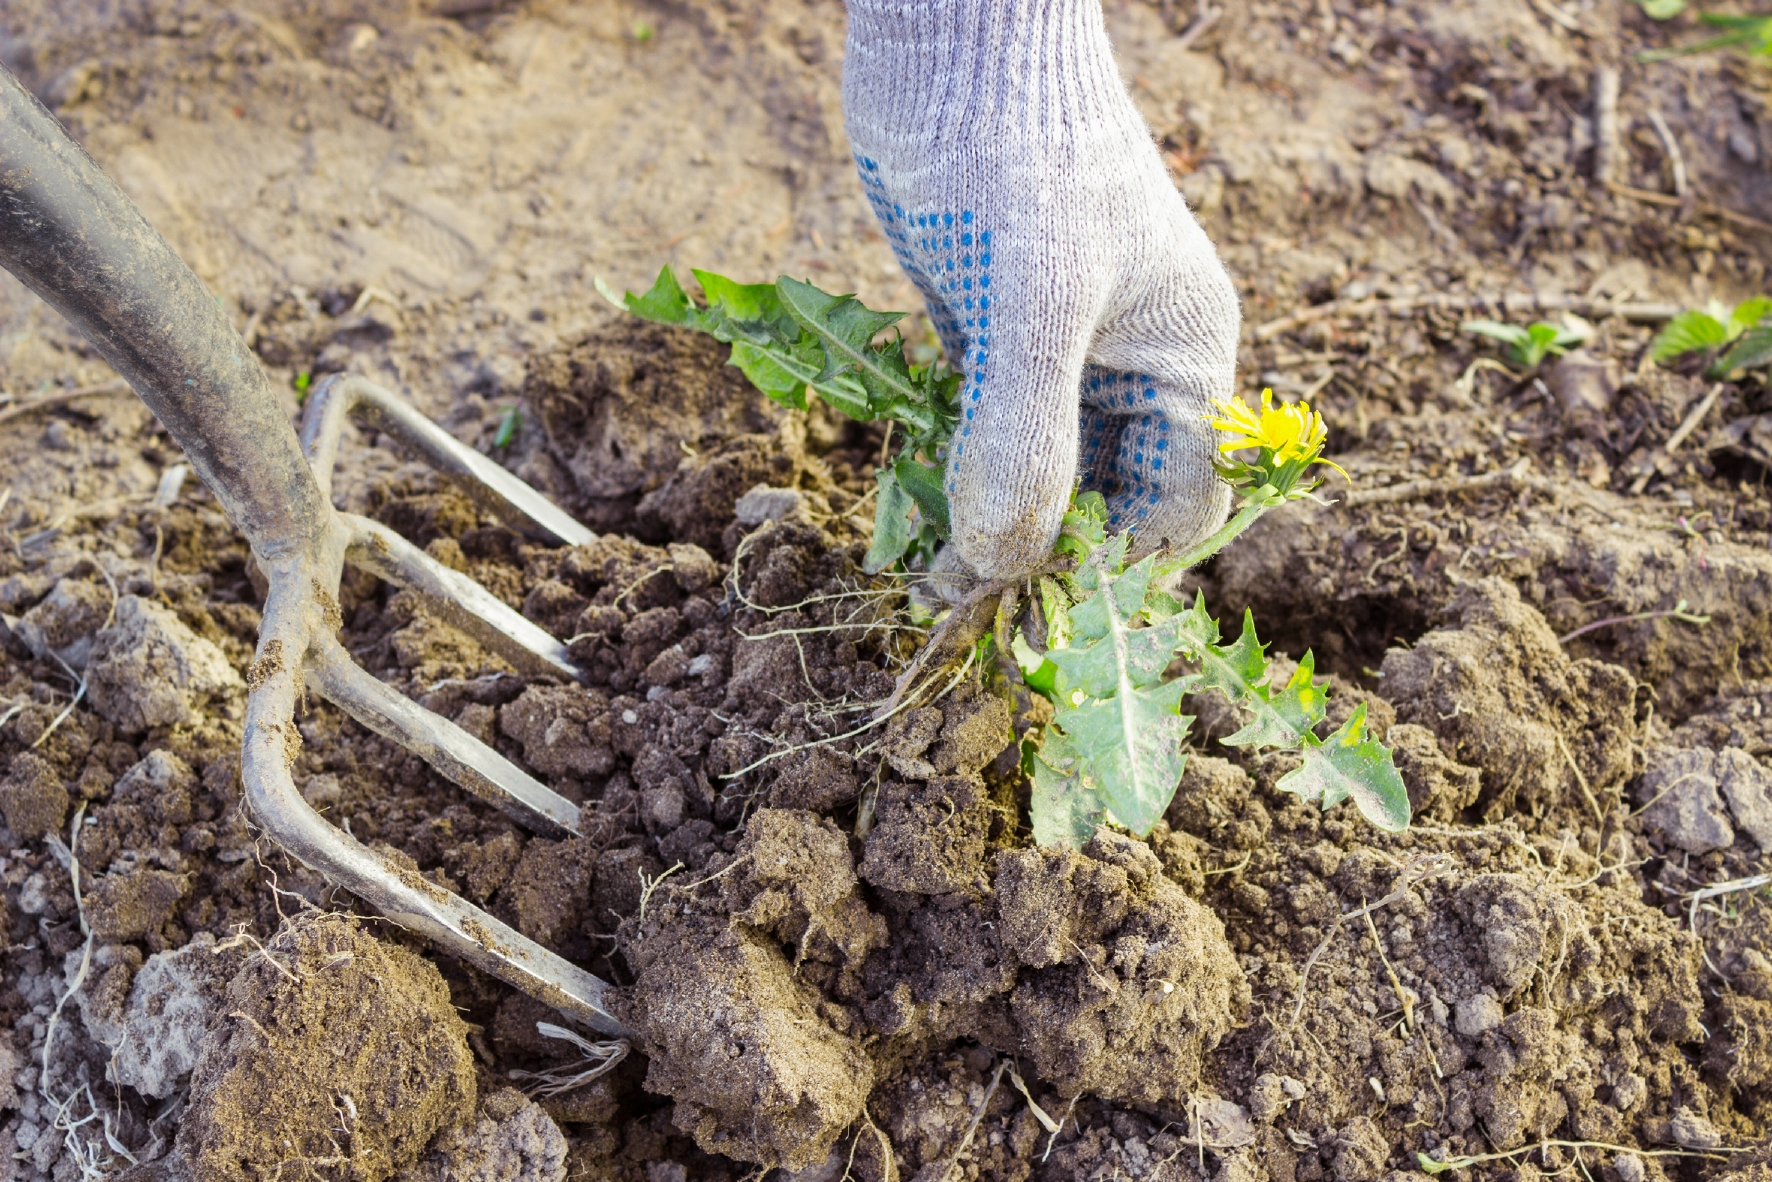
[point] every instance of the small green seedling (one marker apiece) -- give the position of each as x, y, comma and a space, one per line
509, 424
1752, 33
1529, 346
1715, 326
302, 381
1114, 752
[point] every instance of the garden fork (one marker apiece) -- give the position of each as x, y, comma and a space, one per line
69, 233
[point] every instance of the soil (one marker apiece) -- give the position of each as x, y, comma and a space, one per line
842, 952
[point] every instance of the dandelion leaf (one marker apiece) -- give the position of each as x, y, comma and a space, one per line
1120, 722
1351, 764
1131, 659
1130, 750
1283, 718
893, 534
665, 303
846, 327
1064, 812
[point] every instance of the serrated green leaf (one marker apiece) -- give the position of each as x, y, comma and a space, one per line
1235, 669
1160, 606
1283, 718
1123, 726
745, 302
1099, 669
1091, 620
1130, 749
846, 327
1689, 332
893, 534
1753, 350
1063, 811
767, 372
1105, 560
1350, 763
665, 303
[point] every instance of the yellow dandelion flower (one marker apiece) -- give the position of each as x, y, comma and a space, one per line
1292, 432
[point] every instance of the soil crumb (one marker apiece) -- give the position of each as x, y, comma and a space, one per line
352, 1044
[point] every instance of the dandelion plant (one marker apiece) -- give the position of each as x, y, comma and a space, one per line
1119, 656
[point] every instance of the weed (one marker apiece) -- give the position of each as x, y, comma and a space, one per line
1753, 33
1529, 346
1711, 328
1114, 752
509, 424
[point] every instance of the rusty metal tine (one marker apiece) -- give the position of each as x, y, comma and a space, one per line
407, 898
452, 751
457, 599
490, 486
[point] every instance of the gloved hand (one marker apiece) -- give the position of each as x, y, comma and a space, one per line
1020, 189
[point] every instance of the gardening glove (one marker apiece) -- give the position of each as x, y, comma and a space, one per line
1021, 191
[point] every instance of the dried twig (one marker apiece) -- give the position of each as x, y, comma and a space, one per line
51, 401
1687, 425
1690, 423
1606, 153
947, 1171
1674, 158
1708, 208
1204, 18
1677, 612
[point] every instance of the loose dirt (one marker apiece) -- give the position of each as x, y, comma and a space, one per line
842, 952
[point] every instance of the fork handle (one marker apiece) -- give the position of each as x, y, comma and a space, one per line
72, 236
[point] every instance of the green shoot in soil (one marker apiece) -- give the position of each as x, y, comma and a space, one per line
509, 424
1529, 346
1114, 752
1708, 329
1753, 33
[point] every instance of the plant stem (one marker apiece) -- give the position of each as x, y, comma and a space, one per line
1676, 614
1218, 541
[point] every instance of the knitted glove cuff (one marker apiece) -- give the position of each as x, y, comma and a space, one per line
955, 70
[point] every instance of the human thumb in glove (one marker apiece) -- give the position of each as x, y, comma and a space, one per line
1020, 189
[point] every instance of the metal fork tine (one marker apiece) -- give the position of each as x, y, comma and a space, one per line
72, 236
406, 898
457, 599
439, 742
490, 486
